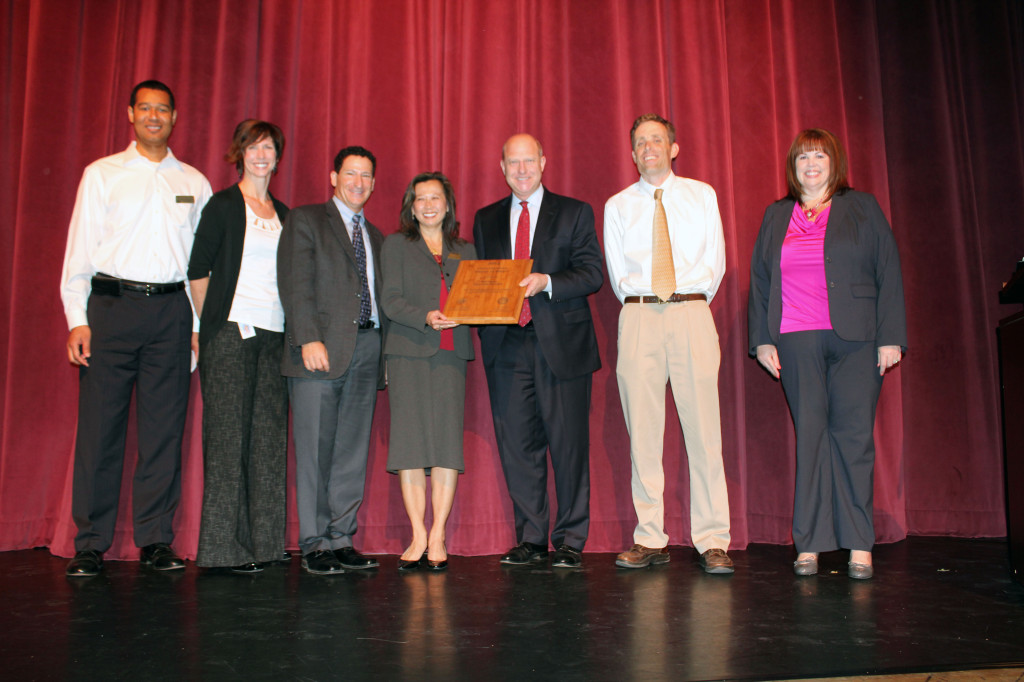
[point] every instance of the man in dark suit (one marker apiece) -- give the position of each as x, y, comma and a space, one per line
539, 371
328, 275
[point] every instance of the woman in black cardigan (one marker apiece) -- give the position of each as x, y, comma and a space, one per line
233, 275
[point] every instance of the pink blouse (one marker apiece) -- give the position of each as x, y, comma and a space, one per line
804, 288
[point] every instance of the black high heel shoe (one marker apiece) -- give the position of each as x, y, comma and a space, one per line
404, 565
437, 565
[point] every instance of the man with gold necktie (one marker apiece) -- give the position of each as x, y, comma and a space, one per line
665, 253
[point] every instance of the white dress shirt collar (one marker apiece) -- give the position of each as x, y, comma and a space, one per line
648, 188
132, 156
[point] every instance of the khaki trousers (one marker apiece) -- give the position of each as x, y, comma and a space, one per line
677, 343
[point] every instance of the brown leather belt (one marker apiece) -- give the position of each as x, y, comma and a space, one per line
674, 298
105, 285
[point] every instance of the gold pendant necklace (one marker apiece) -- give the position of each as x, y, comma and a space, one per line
809, 212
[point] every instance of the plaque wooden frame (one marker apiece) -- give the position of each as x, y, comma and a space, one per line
488, 291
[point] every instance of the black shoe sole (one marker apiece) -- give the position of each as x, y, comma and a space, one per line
311, 571
245, 571
351, 567
536, 558
83, 574
149, 564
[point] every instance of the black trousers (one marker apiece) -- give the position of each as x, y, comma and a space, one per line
138, 342
533, 412
832, 387
245, 448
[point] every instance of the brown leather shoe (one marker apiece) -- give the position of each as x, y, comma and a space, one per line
716, 561
639, 556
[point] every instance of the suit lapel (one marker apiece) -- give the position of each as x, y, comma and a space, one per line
545, 221
451, 260
838, 220
376, 240
781, 226
337, 227
500, 237
421, 246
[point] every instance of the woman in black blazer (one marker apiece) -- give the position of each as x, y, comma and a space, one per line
826, 315
426, 357
233, 276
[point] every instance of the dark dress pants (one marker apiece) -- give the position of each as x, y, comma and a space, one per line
832, 387
331, 422
533, 411
139, 342
245, 448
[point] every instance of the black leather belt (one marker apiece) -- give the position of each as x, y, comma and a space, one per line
674, 298
105, 285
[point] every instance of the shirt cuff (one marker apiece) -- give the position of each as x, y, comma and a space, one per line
77, 318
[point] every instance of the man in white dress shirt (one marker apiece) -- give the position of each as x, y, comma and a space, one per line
132, 327
665, 252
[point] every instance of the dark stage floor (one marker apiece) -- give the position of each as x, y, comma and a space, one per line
936, 604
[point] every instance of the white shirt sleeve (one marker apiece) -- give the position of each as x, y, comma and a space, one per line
76, 276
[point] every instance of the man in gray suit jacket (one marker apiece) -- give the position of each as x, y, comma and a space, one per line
328, 275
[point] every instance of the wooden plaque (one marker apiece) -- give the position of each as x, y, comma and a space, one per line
487, 291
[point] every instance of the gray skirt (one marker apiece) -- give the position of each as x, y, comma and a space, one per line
427, 398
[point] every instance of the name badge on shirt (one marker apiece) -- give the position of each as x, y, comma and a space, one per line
247, 331
184, 199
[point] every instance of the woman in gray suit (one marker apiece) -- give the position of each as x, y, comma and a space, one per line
426, 356
826, 315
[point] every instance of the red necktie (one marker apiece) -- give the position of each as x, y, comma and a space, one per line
523, 253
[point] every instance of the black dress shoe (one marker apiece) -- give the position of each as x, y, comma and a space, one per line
567, 557
285, 557
525, 553
404, 565
353, 560
250, 568
322, 562
160, 557
441, 565
85, 564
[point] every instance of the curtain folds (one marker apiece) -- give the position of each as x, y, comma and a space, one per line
927, 95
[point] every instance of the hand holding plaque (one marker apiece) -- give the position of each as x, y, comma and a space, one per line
488, 291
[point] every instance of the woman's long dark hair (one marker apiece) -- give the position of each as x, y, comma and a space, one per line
407, 221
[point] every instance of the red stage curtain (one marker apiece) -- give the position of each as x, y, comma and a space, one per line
928, 96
